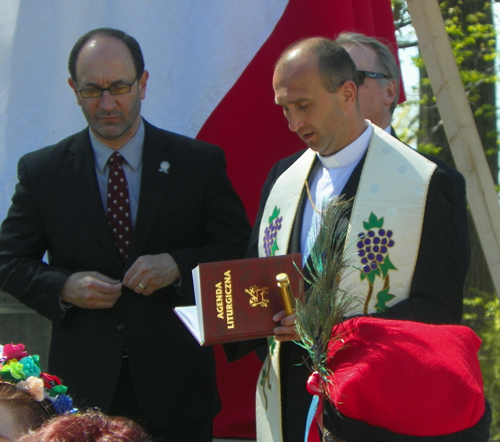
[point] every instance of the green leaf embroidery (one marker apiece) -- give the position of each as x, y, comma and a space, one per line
275, 214
383, 297
373, 222
386, 266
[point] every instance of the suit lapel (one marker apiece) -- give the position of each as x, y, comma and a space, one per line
80, 169
157, 161
351, 187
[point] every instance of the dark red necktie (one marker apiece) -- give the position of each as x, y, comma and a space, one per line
118, 205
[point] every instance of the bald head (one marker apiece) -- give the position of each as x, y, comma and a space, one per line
315, 81
130, 43
334, 63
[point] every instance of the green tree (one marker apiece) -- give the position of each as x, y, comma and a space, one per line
470, 27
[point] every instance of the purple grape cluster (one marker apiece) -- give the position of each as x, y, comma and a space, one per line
373, 247
270, 236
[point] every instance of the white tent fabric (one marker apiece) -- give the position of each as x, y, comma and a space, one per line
194, 51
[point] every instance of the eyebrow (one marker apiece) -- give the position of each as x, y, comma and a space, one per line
298, 100
94, 84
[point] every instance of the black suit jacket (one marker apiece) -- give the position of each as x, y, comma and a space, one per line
192, 212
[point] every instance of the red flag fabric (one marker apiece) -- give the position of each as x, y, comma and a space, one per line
254, 134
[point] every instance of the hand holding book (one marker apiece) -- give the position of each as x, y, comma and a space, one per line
238, 300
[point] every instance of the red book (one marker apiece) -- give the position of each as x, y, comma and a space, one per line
236, 300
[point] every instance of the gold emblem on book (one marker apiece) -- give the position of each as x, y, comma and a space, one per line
258, 296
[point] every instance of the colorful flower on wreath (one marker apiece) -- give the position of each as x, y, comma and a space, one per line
50, 381
271, 233
12, 371
63, 404
11, 351
57, 390
31, 366
33, 386
25, 373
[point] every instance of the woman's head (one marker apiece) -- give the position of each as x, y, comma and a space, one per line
19, 412
28, 397
88, 426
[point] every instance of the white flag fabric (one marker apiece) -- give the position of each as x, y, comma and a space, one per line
194, 51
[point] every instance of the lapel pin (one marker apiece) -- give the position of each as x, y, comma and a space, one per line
164, 166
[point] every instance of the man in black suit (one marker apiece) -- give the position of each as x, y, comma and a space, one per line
378, 97
412, 201
115, 339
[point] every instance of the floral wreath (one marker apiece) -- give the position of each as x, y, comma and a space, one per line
24, 372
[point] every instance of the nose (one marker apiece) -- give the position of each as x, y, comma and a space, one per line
295, 121
107, 101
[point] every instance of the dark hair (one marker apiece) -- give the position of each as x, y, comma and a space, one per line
386, 63
334, 63
129, 41
89, 426
30, 414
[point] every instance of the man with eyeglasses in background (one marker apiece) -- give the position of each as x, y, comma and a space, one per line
378, 96
124, 211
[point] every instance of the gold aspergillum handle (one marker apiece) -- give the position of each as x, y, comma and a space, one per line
286, 292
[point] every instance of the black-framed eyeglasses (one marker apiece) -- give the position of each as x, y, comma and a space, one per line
116, 89
363, 74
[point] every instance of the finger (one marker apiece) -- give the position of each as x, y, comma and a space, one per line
148, 290
135, 275
128, 275
278, 316
284, 318
107, 288
132, 274
140, 288
101, 277
288, 321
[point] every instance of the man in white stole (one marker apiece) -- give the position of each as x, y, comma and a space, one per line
401, 218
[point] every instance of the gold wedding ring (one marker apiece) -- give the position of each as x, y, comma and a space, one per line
141, 286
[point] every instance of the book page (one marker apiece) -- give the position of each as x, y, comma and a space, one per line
189, 316
197, 298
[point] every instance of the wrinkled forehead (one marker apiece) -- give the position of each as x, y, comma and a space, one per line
296, 65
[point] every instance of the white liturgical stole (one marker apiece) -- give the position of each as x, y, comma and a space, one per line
386, 224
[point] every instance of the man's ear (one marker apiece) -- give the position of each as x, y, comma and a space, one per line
348, 93
143, 83
72, 85
390, 92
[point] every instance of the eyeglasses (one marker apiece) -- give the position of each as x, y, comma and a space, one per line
363, 74
116, 89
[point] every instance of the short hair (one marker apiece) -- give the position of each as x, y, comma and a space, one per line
386, 63
29, 413
129, 41
334, 63
91, 425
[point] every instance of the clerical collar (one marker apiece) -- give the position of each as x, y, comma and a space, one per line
350, 153
131, 150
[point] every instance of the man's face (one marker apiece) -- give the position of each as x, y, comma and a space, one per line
313, 112
104, 62
374, 97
